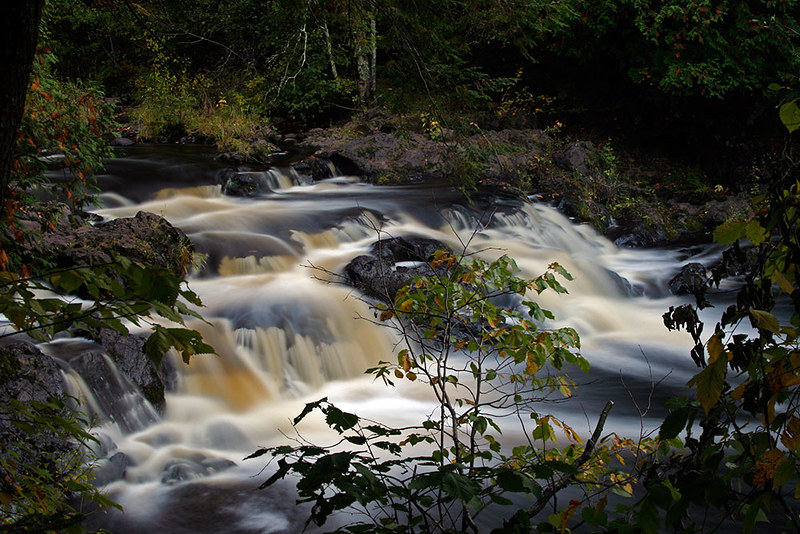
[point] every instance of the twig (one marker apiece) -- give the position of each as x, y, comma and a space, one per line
566, 479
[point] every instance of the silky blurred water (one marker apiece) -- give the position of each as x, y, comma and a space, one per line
285, 335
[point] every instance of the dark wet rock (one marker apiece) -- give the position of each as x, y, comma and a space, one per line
47, 217
582, 157
391, 263
129, 355
690, 280
624, 285
177, 471
315, 168
215, 465
242, 185
111, 469
117, 397
738, 261
122, 142
717, 212
256, 150
580, 178
145, 238
28, 375
383, 153
198, 466
409, 248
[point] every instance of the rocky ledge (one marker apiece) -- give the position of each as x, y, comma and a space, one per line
629, 203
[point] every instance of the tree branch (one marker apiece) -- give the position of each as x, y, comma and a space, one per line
566, 479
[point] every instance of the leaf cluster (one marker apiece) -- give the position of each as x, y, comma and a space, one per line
745, 450
36, 482
473, 337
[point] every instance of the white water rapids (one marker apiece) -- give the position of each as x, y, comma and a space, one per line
285, 337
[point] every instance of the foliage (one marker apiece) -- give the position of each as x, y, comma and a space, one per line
167, 94
103, 296
63, 129
744, 460
94, 42
485, 355
63, 125
37, 482
708, 48
230, 124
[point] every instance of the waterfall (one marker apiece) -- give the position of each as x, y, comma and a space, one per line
287, 331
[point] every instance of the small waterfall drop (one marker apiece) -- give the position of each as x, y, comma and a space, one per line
287, 331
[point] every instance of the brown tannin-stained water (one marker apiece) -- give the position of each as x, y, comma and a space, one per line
285, 336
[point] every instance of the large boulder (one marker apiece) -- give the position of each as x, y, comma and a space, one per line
390, 264
118, 400
129, 367
145, 238
384, 152
130, 357
582, 157
29, 376
690, 280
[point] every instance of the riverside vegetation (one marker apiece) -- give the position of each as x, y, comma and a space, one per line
730, 446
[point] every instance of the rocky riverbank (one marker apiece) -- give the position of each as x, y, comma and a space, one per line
634, 201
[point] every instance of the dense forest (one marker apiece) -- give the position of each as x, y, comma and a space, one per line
708, 87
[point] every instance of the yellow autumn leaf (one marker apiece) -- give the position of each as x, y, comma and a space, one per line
766, 321
766, 467
738, 393
791, 434
406, 362
710, 381
782, 282
530, 365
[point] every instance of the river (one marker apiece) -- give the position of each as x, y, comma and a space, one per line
286, 333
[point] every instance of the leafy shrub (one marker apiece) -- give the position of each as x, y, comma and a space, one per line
482, 361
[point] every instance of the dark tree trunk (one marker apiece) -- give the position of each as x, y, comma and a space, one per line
19, 33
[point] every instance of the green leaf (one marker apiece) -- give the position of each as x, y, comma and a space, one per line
729, 232
674, 423
309, 407
790, 115
766, 321
710, 381
516, 482
755, 232
339, 420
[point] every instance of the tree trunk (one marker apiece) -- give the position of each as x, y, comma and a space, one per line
373, 43
366, 58
19, 33
330, 51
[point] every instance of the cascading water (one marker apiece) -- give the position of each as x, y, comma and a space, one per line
287, 332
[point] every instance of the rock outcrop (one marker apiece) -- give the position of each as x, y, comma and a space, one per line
145, 238
390, 264
581, 179
29, 376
